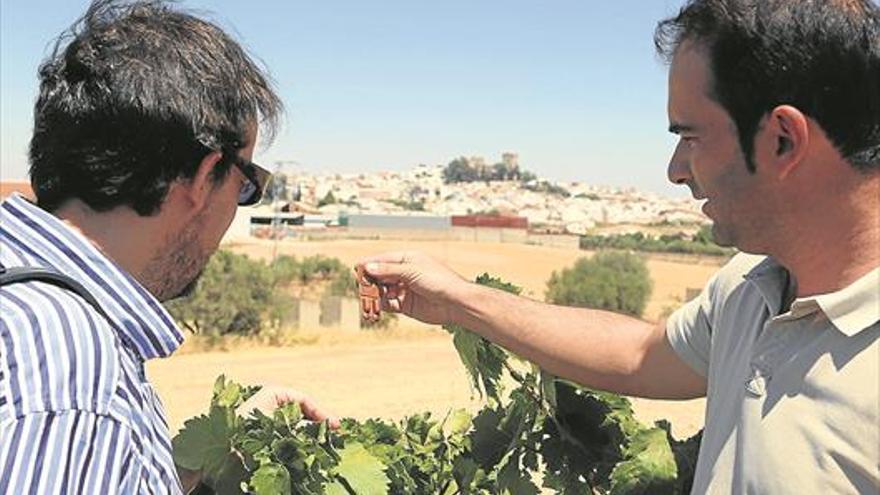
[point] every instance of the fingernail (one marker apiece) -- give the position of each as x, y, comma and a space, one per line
372, 266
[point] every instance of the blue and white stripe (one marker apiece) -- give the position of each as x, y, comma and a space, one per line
77, 414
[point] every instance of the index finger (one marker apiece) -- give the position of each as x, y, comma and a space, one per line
399, 257
311, 410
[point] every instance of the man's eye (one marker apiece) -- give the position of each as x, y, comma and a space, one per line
689, 141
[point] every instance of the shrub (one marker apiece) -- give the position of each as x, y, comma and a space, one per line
233, 296
285, 269
609, 280
700, 243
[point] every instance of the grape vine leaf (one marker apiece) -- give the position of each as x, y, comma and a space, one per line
649, 465
363, 472
271, 479
483, 360
226, 394
335, 488
459, 422
488, 442
204, 442
513, 481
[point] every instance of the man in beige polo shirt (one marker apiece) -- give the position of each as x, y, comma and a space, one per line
777, 106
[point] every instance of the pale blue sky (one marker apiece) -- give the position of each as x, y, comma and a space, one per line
574, 86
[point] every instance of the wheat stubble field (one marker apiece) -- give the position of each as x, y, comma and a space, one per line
414, 369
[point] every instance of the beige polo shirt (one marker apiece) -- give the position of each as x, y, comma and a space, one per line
793, 396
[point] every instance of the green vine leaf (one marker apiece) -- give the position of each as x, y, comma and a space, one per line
363, 472
648, 468
271, 479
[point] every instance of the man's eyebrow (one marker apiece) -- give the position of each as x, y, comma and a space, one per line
677, 128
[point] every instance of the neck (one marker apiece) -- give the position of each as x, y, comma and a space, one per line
121, 234
832, 246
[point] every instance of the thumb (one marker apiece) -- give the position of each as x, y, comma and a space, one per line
388, 273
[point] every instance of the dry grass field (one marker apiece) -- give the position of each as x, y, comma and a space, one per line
414, 368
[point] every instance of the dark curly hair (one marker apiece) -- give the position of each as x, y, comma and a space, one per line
133, 96
820, 56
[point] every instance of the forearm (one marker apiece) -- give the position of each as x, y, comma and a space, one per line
599, 349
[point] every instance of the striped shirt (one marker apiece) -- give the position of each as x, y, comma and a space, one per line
77, 414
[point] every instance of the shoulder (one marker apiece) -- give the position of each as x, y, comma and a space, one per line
734, 274
58, 352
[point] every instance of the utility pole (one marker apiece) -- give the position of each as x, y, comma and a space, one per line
277, 187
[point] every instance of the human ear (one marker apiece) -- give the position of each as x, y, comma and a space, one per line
788, 135
202, 183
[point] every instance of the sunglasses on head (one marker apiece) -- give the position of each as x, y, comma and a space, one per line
252, 190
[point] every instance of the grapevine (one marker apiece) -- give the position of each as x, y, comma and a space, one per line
543, 435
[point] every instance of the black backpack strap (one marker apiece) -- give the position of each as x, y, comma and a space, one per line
17, 274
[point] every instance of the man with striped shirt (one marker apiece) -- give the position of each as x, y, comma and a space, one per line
144, 130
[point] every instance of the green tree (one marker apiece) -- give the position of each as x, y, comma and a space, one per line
234, 295
344, 284
704, 235
285, 269
319, 267
460, 170
609, 280
328, 199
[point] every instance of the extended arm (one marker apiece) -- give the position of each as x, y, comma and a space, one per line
598, 349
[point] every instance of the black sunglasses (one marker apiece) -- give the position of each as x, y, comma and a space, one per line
251, 192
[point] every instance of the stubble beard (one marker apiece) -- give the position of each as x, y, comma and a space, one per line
722, 236
175, 271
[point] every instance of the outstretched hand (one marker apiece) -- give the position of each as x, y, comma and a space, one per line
415, 285
266, 400
272, 397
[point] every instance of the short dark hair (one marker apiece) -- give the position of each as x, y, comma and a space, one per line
820, 56
133, 97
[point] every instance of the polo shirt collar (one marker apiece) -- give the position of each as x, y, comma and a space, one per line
138, 317
855, 307
771, 279
851, 309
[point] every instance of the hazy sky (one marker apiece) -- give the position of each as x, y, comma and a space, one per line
573, 86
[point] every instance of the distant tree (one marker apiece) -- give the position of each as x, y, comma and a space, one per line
505, 171
499, 171
546, 187
527, 176
285, 269
414, 205
344, 284
319, 267
234, 295
612, 281
460, 170
704, 235
328, 199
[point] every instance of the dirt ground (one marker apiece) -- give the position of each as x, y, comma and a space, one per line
394, 377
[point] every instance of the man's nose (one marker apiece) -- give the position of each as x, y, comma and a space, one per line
678, 170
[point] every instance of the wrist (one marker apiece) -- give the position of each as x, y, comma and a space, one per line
462, 300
